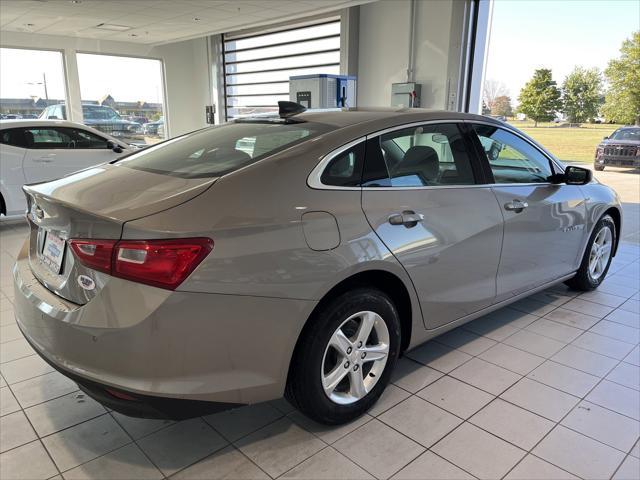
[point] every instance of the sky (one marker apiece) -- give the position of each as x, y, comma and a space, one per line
556, 34
126, 79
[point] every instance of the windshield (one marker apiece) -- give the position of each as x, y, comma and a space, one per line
99, 113
626, 134
216, 151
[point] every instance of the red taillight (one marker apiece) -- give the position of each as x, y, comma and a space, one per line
95, 254
161, 263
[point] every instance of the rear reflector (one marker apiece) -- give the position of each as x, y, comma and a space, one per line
161, 263
120, 395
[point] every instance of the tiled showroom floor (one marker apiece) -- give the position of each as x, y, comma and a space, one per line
546, 388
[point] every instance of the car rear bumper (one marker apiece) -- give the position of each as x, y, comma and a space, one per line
136, 405
169, 346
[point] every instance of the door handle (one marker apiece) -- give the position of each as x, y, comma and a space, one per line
516, 206
44, 159
408, 218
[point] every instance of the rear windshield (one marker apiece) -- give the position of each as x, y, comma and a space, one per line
216, 151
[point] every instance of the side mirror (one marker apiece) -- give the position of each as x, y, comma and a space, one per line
606, 138
577, 175
114, 146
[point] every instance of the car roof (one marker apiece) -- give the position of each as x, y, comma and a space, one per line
33, 122
373, 118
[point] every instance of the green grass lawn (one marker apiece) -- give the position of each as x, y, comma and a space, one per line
568, 144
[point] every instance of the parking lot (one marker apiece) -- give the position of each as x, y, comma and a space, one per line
545, 388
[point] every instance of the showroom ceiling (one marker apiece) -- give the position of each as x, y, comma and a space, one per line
153, 21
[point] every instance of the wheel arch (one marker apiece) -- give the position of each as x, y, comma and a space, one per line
615, 214
383, 280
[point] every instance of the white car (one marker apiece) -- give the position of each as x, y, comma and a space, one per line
33, 151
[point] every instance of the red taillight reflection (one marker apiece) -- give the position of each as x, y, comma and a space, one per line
161, 263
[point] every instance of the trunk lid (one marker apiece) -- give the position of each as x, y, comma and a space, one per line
93, 204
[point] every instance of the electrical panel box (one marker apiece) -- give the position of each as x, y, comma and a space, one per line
405, 95
323, 90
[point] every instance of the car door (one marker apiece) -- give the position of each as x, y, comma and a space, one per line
544, 222
423, 195
54, 152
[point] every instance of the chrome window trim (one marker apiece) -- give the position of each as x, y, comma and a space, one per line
314, 177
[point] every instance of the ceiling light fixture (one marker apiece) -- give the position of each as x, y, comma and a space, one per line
112, 27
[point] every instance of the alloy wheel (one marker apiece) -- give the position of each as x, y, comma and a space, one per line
355, 357
600, 253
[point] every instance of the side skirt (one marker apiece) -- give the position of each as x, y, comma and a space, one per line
425, 335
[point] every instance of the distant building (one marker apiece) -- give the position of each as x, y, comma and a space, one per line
23, 106
35, 105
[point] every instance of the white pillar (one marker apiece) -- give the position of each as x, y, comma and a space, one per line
480, 52
72, 85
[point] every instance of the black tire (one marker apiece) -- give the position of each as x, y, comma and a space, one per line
304, 389
599, 168
583, 280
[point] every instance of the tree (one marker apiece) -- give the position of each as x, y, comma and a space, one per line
540, 97
491, 90
502, 106
622, 101
581, 93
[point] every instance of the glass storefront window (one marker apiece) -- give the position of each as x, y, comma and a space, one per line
30, 81
123, 96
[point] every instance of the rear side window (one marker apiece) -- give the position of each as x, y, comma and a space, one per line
216, 151
422, 156
345, 169
14, 137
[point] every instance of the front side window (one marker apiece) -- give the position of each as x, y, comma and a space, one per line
48, 138
429, 155
216, 151
87, 140
512, 159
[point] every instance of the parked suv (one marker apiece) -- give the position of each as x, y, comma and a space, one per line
101, 117
620, 149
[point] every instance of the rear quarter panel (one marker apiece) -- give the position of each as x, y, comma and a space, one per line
254, 217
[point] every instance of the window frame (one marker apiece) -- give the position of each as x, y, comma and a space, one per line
554, 165
477, 164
